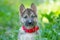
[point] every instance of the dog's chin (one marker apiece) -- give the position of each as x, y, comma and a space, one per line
30, 25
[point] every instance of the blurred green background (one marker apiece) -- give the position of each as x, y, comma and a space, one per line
48, 18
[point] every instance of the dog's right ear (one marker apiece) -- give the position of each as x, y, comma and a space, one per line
21, 8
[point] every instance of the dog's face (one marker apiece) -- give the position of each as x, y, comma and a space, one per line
28, 16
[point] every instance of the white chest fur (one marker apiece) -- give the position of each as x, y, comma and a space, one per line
28, 36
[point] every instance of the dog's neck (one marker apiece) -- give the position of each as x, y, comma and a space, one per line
30, 30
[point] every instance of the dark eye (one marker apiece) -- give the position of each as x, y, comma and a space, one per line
25, 17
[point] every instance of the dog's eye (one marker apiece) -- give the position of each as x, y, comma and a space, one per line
25, 17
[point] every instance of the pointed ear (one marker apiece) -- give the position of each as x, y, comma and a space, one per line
21, 8
33, 7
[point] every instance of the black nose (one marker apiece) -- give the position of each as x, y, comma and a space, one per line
29, 22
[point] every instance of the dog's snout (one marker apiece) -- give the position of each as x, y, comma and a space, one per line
30, 22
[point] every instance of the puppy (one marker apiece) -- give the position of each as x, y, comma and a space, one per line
29, 29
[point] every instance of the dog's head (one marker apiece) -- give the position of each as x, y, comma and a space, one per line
28, 16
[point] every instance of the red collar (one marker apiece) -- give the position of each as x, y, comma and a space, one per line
30, 30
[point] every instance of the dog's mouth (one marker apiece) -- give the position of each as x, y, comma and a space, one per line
30, 24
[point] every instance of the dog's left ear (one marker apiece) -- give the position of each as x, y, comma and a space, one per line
33, 7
